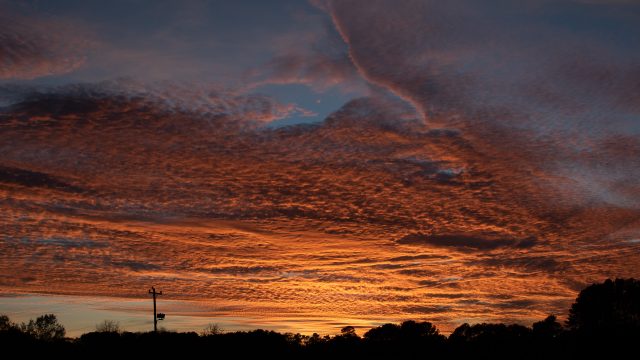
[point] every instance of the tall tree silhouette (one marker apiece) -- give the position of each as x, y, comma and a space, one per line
613, 306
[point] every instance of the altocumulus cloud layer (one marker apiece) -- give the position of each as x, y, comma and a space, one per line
487, 173
33, 49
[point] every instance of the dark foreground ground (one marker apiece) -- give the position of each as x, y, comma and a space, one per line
490, 341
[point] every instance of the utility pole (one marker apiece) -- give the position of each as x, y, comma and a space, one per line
155, 317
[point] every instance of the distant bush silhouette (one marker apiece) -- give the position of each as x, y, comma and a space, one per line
108, 326
212, 329
490, 333
548, 328
45, 327
407, 339
6, 324
407, 331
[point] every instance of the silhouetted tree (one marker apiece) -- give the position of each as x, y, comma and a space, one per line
45, 327
212, 329
315, 339
419, 330
383, 333
6, 324
348, 331
491, 341
484, 332
407, 331
316, 346
407, 339
108, 326
346, 344
610, 307
547, 328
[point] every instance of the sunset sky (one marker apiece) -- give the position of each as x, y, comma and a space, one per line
305, 165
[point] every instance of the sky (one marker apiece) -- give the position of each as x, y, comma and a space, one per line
306, 165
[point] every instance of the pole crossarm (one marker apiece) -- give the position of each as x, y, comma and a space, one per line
153, 292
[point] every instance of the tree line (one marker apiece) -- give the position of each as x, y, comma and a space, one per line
604, 321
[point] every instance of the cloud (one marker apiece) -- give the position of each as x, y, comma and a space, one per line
316, 57
467, 241
72, 243
450, 54
32, 48
166, 97
480, 169
516, 91
191, 192
517, 304
426, 309
418, 257
449, 283
243, 270
30, 178
130, 264
531, 263
319, 71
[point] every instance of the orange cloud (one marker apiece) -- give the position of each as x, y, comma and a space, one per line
295, 222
